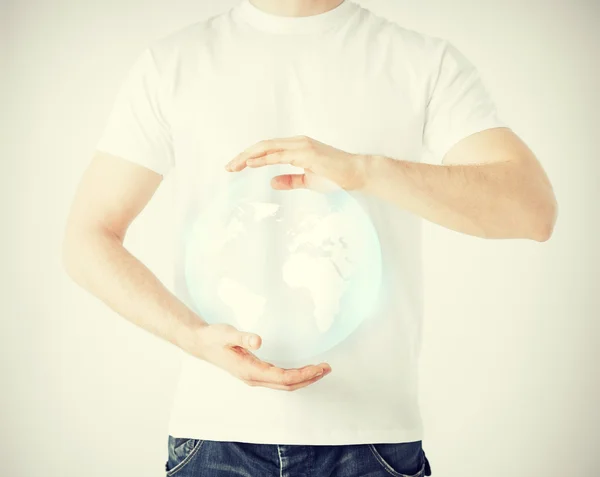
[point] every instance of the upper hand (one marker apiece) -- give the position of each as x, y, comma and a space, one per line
316, 158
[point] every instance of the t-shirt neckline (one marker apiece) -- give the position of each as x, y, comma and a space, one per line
271, 23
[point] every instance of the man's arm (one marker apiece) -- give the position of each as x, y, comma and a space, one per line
490, 185
110, 196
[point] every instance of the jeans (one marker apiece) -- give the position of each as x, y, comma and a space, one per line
204, 458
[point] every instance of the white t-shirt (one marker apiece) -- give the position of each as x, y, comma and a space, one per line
195, 99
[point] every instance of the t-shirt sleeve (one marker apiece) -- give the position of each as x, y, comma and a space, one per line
138, 129
459, 104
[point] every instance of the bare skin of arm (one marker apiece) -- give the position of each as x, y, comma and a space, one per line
490, 184
111, 194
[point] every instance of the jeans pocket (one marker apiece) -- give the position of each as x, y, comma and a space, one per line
181, 452
405, 459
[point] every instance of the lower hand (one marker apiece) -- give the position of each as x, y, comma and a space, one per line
231, 350
343, 168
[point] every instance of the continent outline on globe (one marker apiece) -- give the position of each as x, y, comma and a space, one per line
250, 241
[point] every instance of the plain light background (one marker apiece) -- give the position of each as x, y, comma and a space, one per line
509, 367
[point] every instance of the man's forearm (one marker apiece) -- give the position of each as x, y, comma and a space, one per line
495, 200
98, 261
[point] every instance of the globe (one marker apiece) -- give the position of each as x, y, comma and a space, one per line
300, 268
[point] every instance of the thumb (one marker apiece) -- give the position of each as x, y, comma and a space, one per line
308, 180
289, 181
245, 340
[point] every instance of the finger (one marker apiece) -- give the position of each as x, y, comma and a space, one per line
295, 158
286, 377
292, 387
234, 337
241, 162
260, 149
289, 181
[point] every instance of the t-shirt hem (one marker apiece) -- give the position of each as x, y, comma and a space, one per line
453, 140
133, 158
284, 437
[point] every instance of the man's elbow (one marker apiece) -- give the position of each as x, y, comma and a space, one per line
77, 249
544, 220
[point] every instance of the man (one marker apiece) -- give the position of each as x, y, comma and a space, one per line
330, 89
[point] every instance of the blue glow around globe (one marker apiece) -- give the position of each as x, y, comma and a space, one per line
300, 268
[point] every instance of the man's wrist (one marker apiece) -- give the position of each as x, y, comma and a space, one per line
187, 332
373, 167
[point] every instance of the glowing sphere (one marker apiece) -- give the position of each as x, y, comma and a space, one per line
300, 268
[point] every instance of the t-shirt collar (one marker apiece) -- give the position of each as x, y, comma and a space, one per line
271, 23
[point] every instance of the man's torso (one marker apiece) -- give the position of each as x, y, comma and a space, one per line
361, 88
